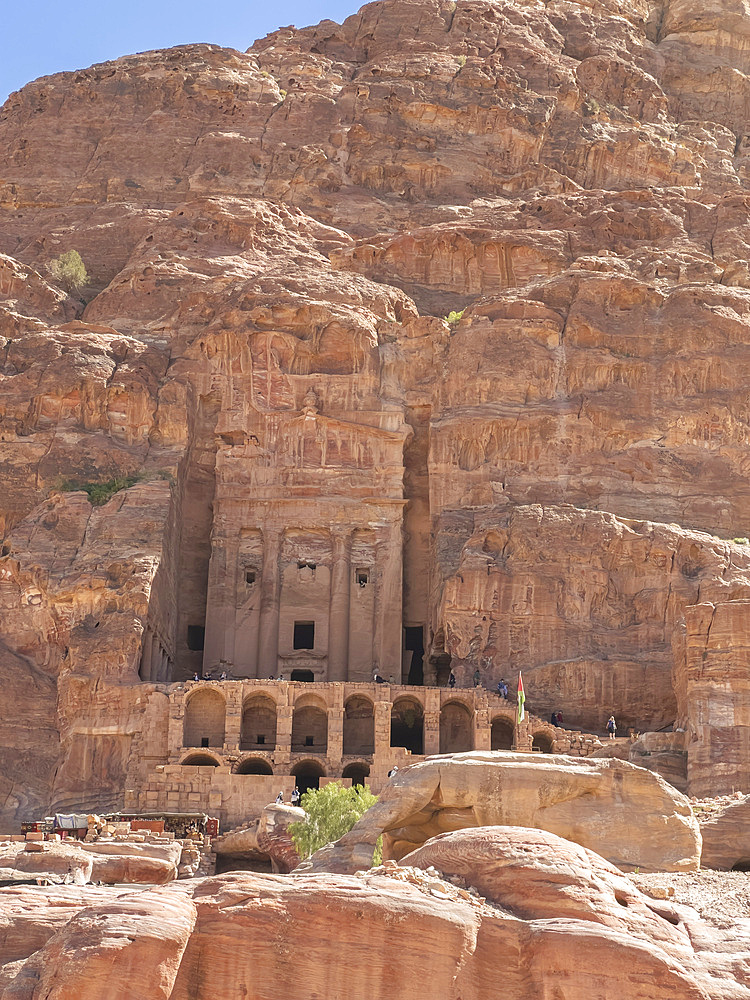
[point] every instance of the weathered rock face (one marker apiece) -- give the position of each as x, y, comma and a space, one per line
267, 840
726, 844
549, 906
625, 813
584, 603
109, 863
273, 238
130, 947
30, 916
711, 681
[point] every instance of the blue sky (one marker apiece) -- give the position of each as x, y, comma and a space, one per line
46, 36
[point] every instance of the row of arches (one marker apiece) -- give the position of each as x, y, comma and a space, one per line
204, 724
307, 772
205, 710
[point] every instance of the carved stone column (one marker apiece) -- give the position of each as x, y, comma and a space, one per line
146, 645
282, 753
388, 632
383, 728
482, 728
176, 723
335, 736
219, 616
233, 718
431, 733
270, 586
338, 623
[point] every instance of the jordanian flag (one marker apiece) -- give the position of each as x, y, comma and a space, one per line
521, 715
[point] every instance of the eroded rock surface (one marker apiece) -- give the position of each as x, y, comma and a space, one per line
725, 830
98, 862
624, 813
464, 899
273, 238
268, 839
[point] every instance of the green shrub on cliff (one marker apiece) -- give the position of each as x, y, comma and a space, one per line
100, 493
69, 271
454, 318
331, 812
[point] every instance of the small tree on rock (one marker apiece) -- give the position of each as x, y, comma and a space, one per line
69, 271
331, 812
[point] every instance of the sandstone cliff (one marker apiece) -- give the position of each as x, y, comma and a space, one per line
274, 237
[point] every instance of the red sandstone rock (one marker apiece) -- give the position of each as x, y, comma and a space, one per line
625, 813
128, 948
273, 238
560, 914
725, 835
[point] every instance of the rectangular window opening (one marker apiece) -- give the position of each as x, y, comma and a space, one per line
304, 635
261, 739
196, 637
308, 741
249, 576
363, 577
204, 741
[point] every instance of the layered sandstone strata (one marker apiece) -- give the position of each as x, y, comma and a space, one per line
465, 899
274, 237
101, 862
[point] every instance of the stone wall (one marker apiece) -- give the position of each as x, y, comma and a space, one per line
214, 762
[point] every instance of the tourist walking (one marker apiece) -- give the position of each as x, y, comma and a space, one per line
559, 719
611, 727
280, 799
477, 678
451, 680
295, 796
553, 718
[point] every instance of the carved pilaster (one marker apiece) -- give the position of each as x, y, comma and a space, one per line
268, 635
338, 627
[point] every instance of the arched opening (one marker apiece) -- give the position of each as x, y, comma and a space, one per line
359, 773
204, 719
359, 727
303, 675
407, 725
310, 730
542, 742
199, 760
502, 734
456, 728
258, 723
308, 774
254, 765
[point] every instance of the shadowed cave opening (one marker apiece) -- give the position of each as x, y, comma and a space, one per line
308, 774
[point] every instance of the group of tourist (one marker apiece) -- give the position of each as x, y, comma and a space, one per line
223, 676
502, 686
294, 798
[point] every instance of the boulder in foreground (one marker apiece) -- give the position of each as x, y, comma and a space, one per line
626, 814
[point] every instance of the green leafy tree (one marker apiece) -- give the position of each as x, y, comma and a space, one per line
69, 271
331, 812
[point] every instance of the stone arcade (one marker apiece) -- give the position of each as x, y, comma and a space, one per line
230, 746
